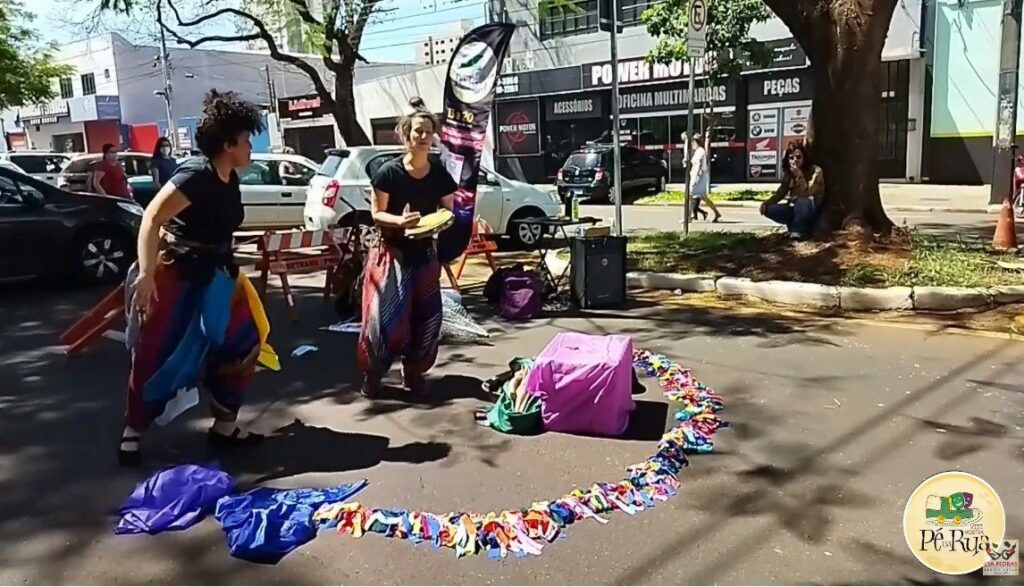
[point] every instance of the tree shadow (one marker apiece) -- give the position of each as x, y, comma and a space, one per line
960, 441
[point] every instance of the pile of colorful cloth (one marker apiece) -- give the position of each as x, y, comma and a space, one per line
263, 525
524, 531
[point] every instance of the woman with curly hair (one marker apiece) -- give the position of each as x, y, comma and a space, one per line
193, 319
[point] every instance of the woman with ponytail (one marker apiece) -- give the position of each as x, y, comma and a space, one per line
401, 313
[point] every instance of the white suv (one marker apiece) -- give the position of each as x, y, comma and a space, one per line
342, 188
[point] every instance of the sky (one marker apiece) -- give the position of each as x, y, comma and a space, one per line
392, 38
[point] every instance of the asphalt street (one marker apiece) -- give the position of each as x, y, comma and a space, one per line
835, 424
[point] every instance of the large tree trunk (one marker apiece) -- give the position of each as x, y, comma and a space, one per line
844, 40
345, 108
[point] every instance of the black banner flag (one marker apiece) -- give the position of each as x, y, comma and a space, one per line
468, 97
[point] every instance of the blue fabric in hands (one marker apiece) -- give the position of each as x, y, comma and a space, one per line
173, 499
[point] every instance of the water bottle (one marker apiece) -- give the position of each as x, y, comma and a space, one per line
575, 207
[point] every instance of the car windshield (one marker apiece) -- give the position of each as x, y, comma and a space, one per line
584, 160
40, 186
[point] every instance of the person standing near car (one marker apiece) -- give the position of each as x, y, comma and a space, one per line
163, 163
401, 306
109, 178
290, 175
195, 320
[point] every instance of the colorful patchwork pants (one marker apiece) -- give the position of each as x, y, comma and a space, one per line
401, 311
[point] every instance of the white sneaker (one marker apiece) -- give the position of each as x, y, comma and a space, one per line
795, 236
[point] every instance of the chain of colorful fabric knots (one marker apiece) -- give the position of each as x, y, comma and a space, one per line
524, 532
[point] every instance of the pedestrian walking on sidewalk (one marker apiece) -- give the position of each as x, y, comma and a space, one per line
700, 181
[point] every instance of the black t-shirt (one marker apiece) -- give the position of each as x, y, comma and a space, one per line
422, 195
215, 208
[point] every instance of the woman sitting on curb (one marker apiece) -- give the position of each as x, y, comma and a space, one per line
803, 185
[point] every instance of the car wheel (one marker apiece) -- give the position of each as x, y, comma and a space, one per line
102, 257
525, 234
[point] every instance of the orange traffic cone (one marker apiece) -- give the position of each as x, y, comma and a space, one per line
1005, 237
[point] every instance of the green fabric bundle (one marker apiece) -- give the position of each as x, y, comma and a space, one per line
516, 412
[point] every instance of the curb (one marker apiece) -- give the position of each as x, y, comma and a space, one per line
750, 204
815, 295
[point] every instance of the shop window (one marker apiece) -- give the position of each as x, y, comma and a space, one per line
88, 84
66, 90
654, 131
384, 131
567, 18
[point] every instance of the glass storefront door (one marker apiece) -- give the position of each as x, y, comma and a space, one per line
562, 137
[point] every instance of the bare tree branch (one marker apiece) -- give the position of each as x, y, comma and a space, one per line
330, 24
365, 11
263, 34
302, 8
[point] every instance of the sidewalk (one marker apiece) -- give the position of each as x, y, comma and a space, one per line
919, 197
895, 196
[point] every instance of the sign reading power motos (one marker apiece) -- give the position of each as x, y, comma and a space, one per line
518, 126
674, 96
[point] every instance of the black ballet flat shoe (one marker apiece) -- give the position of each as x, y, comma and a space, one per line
129, 458
218, 440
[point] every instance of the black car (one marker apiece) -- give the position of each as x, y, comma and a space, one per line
587, 172
45, 230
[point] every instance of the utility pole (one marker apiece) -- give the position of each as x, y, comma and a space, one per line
1006, 104
616, 145
172, 127
696, 39
272, 92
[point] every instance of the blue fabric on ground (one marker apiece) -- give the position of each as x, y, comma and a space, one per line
173, 499
264, 525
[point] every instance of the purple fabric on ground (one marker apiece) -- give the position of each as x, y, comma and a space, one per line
173, 499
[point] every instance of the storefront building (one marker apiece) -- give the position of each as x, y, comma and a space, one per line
542, 116
75, 125
559, 61
963, 67
307, 126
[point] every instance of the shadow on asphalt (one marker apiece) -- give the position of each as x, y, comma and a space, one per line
801, 490
298, 448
